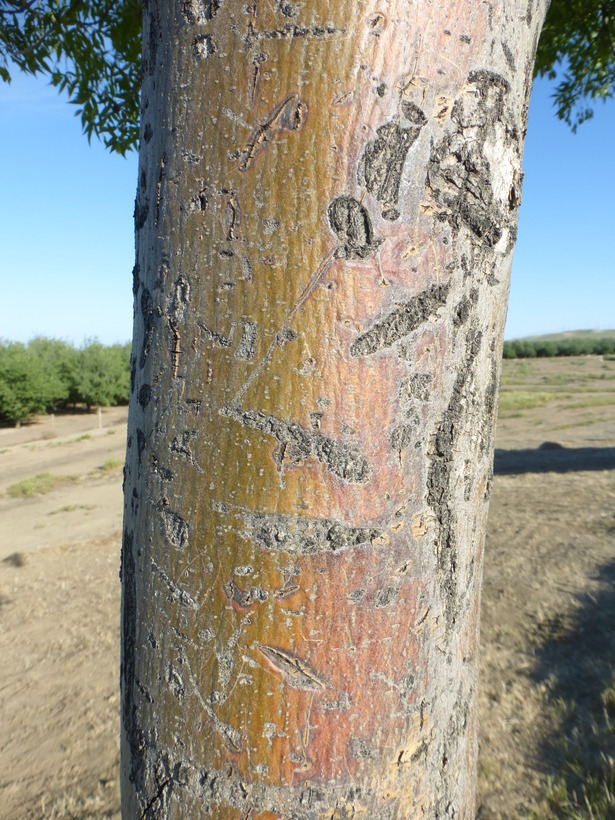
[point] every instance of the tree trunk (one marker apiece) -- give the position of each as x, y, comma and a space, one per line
326, 213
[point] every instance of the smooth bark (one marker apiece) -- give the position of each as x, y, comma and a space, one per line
326, 214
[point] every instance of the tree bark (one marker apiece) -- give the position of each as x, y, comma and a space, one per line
325, 219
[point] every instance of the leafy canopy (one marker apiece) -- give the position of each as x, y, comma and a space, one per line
92, 50
577, 46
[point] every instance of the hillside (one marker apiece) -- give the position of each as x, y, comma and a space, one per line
582, 335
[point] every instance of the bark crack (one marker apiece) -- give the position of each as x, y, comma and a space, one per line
297, 672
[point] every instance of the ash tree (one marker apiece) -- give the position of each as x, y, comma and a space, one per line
325, 217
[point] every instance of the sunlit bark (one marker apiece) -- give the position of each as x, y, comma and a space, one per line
326, 213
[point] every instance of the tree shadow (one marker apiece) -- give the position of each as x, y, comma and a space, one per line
575, 665
553, 458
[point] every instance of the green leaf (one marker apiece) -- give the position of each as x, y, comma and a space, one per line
577, 46
91, 51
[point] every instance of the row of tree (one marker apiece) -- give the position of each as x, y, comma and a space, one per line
48, 374
575, 346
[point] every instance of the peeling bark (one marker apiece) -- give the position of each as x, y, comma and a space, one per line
325, 218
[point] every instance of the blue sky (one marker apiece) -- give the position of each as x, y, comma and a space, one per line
66, 231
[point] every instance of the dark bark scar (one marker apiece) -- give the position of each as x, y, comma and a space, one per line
286, 117
350, 222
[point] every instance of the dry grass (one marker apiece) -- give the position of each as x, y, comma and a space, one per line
548, 654
38, 485
515, 400
112, 464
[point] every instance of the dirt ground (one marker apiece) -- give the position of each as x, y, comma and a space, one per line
59, 618
548, 601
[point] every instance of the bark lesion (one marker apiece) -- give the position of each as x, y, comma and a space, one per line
304, 535
459, 176
244, 599
177, 593
382, 164
175, 528
350, 222
198, 12
401, 321
292, 31
441, 497
287, 117
297, 445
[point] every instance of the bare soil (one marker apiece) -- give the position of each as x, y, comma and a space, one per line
59, 618
548, 597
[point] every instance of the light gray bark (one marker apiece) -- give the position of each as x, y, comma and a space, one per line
326, 215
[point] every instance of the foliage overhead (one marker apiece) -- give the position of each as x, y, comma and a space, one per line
91, 49
577, 47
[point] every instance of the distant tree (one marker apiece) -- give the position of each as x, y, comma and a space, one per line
101, 375
25, 388
119, 363
48, 373
573, 347
524, 349
602, 346
545, 348
56, 358
576, 346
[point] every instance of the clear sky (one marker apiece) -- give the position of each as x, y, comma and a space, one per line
66, 230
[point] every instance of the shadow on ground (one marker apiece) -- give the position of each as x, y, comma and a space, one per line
575, 666
553, 458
